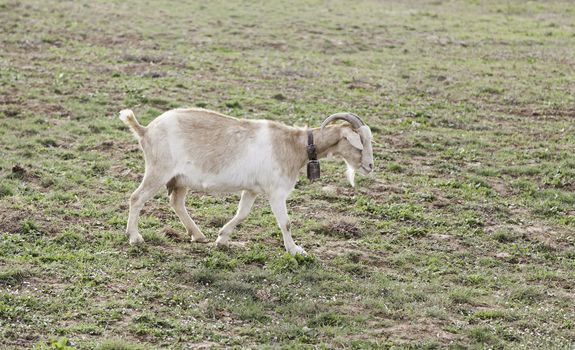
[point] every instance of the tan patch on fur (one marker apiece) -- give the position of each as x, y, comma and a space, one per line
289, 146
217, 138
172, 184
327, 139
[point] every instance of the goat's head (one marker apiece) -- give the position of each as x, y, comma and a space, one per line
355, 145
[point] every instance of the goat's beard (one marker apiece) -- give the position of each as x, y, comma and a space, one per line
350, 174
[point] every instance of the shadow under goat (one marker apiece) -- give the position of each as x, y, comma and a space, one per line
203, 150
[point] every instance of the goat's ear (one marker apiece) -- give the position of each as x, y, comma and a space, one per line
353, 138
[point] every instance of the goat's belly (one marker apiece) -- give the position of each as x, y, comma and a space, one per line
215, 185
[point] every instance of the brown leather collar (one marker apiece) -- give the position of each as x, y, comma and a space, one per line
313, 170
311, 149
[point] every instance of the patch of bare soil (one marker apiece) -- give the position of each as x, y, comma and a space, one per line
447, 243
363, 85
117, 147
345, 227
542, 113
172, 234
120, 40
408, 332
119, 170
423, 330
339, 247
15, 221
19, 172
30, 176
380, 189
500, 187
12, 105
551, 238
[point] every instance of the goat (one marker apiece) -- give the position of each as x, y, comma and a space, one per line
202, 150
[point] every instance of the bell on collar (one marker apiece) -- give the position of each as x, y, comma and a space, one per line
313, 170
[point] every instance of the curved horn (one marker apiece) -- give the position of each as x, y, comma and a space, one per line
351, 118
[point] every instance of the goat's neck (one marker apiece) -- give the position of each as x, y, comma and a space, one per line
325, 140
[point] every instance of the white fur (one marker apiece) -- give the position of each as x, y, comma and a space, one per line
124, 114
350, 175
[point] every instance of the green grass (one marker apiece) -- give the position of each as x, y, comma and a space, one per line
462, 238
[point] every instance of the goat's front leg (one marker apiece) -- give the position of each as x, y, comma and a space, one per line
246, 202
278, 204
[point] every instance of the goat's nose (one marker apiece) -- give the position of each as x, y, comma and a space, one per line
370, 166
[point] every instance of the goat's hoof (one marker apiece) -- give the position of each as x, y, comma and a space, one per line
222, 243
297, 250
134, 240
199, 240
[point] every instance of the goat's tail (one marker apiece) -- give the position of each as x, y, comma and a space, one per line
128, 117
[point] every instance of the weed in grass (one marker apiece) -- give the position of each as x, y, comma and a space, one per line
414, 232
327, 319
251, 311
233, 104
154, 238
30, 228
206, 276
462, 296
13, 277
484, 336
528, 295
220, 261
288, 263
504, 236
69, 239
57, 344
257, 254
475, 280
488, 314
235, 288
6, 190
394, 167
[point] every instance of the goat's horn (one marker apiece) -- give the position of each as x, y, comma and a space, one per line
351, 118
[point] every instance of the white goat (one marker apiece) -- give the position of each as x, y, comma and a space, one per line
206, 151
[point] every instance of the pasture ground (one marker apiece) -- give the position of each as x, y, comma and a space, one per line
463, 237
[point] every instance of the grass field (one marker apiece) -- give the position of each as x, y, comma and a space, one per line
463, 237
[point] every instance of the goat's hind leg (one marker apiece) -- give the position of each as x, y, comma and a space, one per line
178, 202
147, 189
246, 202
